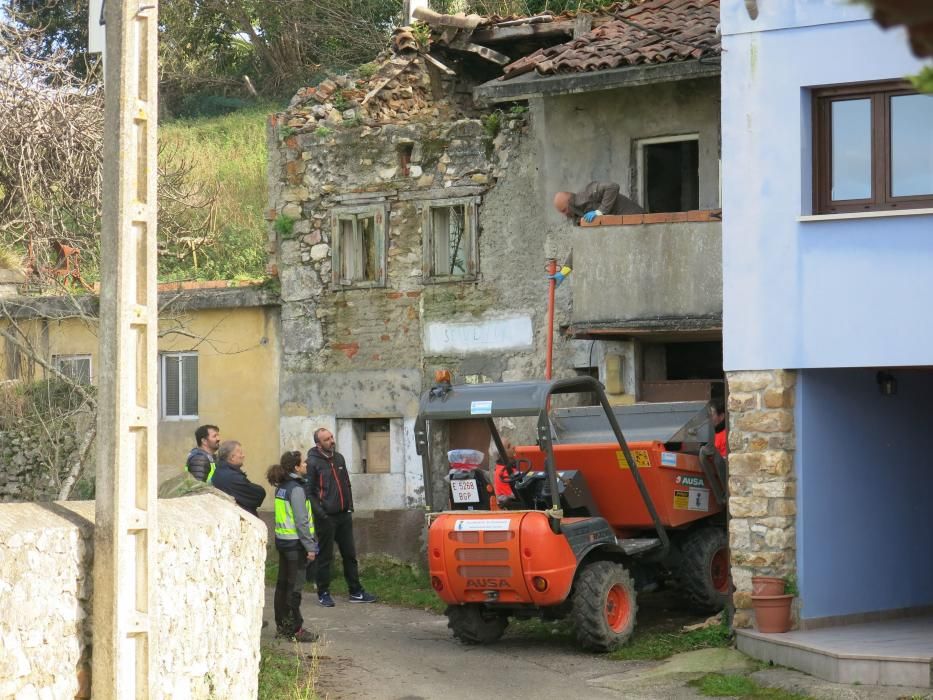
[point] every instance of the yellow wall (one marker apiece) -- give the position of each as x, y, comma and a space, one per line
238, 378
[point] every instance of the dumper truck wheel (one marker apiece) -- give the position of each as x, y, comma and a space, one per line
473, 624
703, 572
603, 606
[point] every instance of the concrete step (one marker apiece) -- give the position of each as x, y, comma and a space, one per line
896, 652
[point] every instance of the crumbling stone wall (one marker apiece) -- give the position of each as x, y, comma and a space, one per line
357, 352
26, 450
762, 482
209, 587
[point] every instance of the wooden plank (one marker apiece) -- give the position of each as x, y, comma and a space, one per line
481, 51
493, 35
442, 193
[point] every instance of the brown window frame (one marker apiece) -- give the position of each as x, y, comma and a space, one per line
880, 94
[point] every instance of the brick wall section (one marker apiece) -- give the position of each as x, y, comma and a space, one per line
762, 483
671, 217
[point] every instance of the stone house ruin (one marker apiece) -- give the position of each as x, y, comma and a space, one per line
411, 223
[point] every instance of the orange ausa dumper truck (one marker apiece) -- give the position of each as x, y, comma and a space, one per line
595, 516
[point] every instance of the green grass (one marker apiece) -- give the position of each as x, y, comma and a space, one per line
733, 686
286, 674
227, 155
653, 645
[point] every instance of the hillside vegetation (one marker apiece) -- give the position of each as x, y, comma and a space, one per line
226, 157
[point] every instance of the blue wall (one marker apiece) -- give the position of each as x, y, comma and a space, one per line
865, 497
840, 293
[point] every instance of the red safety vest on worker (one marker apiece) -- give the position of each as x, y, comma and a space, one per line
501, 486
722, 442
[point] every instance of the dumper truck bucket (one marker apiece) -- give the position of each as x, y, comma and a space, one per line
513, 399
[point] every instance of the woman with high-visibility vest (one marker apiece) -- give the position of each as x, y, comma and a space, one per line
295, 542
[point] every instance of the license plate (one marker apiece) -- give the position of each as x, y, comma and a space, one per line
464, 491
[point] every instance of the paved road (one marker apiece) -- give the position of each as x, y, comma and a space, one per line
378, 652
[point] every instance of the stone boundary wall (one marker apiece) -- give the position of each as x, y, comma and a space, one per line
209, 587
762, 482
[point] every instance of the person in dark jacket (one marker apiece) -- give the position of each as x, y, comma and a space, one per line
332, 502
200, 463
598, 199
230, 478
295, 543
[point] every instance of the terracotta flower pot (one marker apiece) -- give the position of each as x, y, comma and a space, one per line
767, 585
772, 612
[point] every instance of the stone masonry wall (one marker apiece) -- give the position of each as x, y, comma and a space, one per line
762, 483
210, 594
361, 352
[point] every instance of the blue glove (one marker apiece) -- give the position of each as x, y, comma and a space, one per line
560, 275
590, 215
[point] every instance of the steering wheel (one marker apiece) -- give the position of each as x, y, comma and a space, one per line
516, 473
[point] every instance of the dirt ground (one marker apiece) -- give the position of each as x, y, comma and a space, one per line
388, 653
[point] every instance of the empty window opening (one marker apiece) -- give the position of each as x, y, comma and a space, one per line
360, 246
404, 158
372, 435
694, 360
448, 226
690, 371
670, 173
450, 240
358, 242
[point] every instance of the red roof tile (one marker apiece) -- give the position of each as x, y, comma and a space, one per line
657, 31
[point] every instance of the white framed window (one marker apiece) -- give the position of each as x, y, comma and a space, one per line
179, 372
76, 367
669, 173
359, 238
449, 227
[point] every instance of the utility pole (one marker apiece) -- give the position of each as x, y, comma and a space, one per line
126, 532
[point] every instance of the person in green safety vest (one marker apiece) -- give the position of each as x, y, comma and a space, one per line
295, 541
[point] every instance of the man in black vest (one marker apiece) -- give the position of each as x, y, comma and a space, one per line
328, 486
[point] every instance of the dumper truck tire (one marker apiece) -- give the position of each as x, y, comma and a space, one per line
604, 606
703, 572
473, 624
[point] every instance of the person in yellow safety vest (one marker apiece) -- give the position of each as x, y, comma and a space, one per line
201, 461
295, 541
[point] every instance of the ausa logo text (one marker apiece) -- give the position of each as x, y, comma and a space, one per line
487, 583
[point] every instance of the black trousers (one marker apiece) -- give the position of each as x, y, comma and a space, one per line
287, 601
335, 528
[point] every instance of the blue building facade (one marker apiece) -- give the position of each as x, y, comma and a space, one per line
827, 336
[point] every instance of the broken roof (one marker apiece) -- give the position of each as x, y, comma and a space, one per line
657, 31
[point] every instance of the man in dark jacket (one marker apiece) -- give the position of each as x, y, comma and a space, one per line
328, 485
200, 463
230, 478
597, 199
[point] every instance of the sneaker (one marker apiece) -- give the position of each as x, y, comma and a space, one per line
325, 600
362, 597
304, 636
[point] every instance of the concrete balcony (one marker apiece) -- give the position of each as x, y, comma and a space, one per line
648, 273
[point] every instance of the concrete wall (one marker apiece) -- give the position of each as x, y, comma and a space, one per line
209, 588
828, 293
592, 136
238, 369
649, 271
863, 474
